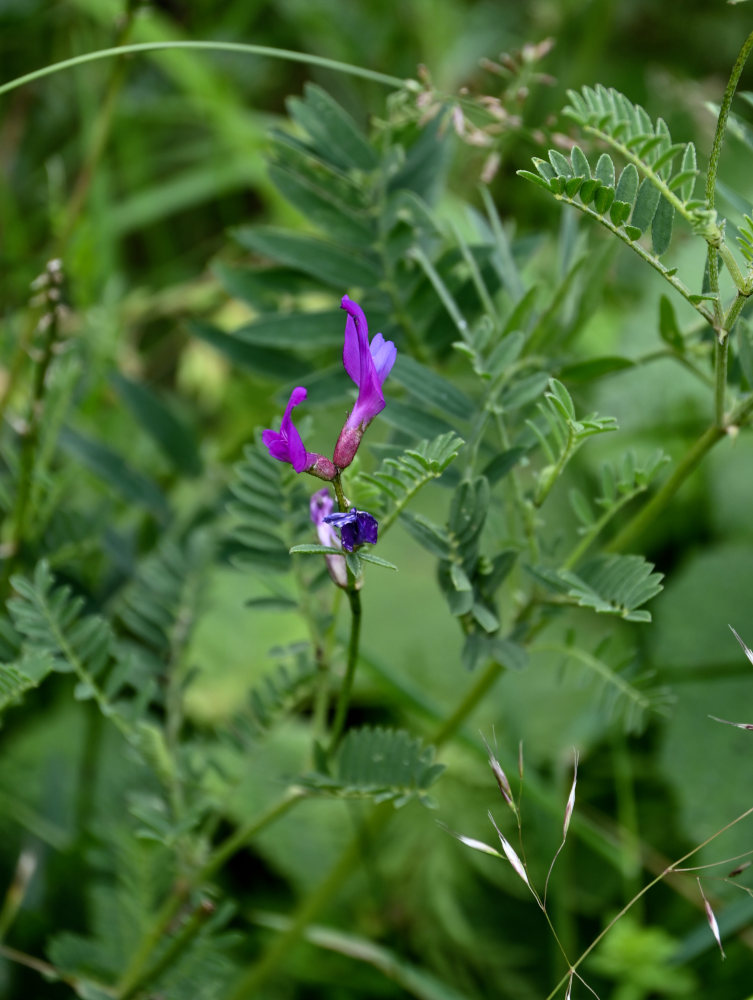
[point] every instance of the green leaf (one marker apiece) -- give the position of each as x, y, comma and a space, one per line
299, 331
586, 371
264, 360
561, 399
314, 549
588, 190
581, 508
412, 420
399, 478
619, 212
320, 207
745, 350
113, 470
501, 464
51, 620
524, 391
459, 577
336, 135
615, 585
560, 163
579, 163
329, 263
603, 199
688, 170
661, 227
645, 205
534, 178
468, 510
18, 678
385, 765
431, 388
175, 438
669, 331
605, 170
546, 170
627, 186
365, 555
426, 533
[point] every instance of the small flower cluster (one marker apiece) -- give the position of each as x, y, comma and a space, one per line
368, 364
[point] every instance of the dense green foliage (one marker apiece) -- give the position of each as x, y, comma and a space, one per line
221, 775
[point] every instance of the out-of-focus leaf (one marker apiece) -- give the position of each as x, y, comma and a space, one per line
175, 438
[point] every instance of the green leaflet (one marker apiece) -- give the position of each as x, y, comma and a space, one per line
385, 765
398, 479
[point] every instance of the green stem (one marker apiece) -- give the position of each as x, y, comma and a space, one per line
342, 501
646, 515
252, 50
734, 311
721, 355
50, 972
343, 700
721, 124
595, 530
722, 323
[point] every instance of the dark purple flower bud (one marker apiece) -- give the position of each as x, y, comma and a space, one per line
368, 365
356, 527
286, 445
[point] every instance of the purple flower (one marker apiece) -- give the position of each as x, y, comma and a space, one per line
368, 365
286, 445
321, 506
356, 527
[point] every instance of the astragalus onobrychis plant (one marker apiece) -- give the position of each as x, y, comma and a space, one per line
206, 846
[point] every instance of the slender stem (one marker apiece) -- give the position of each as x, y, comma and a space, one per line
639, 895
636, 247
50, 972
734, 311
342, 501
722, 324
251, 50
484, 682
343, 700
721, 124
721, 355
646, 515
579, 550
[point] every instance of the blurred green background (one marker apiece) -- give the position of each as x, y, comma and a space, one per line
140, 216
